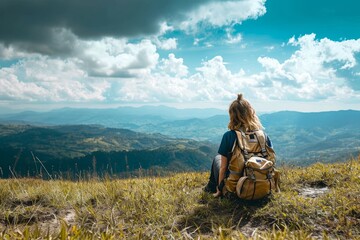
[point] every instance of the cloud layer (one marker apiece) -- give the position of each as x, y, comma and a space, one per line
130, 51
313, 72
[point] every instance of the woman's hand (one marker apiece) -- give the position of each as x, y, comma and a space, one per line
222, 171
218, 193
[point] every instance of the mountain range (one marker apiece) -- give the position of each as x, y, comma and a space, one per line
113, 117
298, 138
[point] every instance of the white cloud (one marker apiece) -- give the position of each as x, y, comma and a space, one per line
211, 82
42, 80
78, 78
270, 64
224, 13
327, 50
164, 28
215, 70
232, 38
208, 44
310, 72
291, 40
117, 58
13, 89
196, 41
107, 57
270, 48
214, 82
166, 44
174, 66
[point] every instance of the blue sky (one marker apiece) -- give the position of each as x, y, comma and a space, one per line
282, 55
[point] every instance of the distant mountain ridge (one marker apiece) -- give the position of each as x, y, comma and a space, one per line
299, 138
308, 120
115, 117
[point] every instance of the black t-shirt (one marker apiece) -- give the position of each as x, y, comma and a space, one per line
228, 140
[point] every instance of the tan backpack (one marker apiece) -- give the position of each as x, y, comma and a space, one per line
251, 172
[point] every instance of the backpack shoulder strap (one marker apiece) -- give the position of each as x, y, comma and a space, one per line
234, 145
239, 138
242, 144
260, 135
237, 142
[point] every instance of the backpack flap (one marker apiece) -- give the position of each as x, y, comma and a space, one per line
259, 168
248, 189
258, 181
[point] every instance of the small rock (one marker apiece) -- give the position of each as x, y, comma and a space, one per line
313, 192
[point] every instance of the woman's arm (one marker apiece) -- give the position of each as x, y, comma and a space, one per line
223, 167
222, 171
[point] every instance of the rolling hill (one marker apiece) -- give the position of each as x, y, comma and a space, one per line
299, 138
305, 138
85, 148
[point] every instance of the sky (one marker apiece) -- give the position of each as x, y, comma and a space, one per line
301, 55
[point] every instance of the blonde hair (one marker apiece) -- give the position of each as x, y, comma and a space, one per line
243, 116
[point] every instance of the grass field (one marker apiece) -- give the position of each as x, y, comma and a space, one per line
317, 202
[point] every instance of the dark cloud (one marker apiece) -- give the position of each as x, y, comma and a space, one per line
54, 42
31, 24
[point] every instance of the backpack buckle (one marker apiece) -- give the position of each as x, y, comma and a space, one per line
246, 154
264, 152
252, 177
251, 174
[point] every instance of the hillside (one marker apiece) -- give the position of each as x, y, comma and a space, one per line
317, 202
82, 148
305, 138
298, 138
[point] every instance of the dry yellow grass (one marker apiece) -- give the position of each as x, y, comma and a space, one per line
175, 207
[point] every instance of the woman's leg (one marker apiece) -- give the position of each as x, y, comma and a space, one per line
214, 175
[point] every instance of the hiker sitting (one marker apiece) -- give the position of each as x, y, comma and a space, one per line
245, 143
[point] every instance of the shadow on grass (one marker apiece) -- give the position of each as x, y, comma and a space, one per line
27, 211
227, 213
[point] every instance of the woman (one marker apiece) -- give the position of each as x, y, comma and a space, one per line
242, 117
